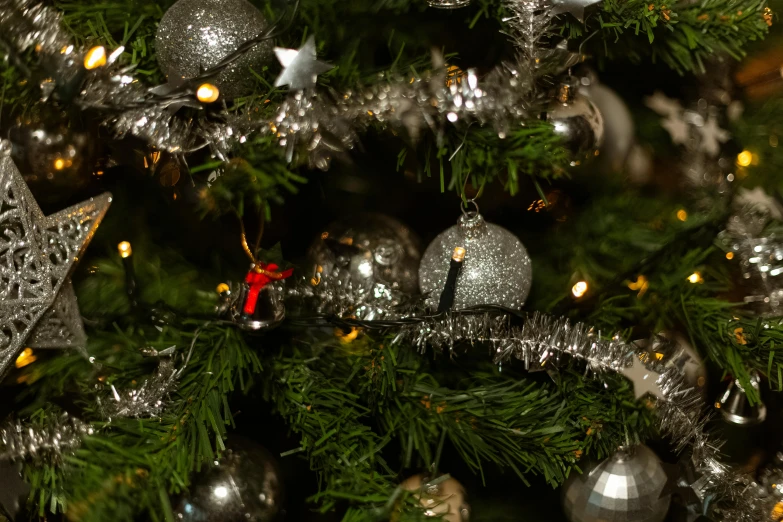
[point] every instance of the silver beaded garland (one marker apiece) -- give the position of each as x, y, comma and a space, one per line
195, 35
625, 487
496, 269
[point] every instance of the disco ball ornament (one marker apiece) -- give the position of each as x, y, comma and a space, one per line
626, 487
496, 267
243, 486
576, 120
365, 264
445, 498
195, 35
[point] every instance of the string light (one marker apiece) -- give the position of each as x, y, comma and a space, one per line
222, 288
124, 249
59, 164
25, 358
695, 278
579, 289
95, 57
207, 93
729, 255
682, 215
744, 158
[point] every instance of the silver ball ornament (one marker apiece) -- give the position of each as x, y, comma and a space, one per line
576, 120
618, 125
243, 486
439, 498
367, 261
626, 487
496, 269
195, 35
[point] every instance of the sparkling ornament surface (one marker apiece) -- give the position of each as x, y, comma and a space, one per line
195, 35
496, 269
37, 254
243, 486
448, 4
439, 497
576, 120
364, 264
626, 487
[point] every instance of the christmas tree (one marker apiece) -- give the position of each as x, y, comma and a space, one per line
390, 260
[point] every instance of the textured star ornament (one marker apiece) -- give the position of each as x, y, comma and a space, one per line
678, 129
37, 253
300, 66
644, 381
712, 136
575, 7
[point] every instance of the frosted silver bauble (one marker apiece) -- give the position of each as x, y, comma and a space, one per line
366, 264
243, 486
626, 487
577, 121
496, 269
195, 35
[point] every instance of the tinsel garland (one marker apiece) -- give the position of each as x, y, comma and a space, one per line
47, 442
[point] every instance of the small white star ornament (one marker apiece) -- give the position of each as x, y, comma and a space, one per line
37, 254
300, 66
644, 381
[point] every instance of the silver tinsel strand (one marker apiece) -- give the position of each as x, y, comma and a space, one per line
46, 442
544, 341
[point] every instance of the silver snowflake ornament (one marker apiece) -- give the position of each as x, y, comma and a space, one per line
300, 66
37, 253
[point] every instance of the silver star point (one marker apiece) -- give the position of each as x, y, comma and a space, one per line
575, 7
37, 254
300, 66
644, 381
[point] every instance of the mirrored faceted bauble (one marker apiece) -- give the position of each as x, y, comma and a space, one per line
626, 487
496, 269
243, 486
365, 262
576, 120
195, 35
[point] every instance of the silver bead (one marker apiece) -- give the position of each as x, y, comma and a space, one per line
243, 486
625, 487
496, 269
365, 264
576, 120
195, 35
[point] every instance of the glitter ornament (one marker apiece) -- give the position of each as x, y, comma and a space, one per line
448, 4
576, 120
195, 35
625, 487
496, 269
364, 265
242, 486
39, 252
439, 498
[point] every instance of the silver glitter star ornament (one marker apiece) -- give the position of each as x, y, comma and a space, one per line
37, 253
300, 66
644, 381
496, 268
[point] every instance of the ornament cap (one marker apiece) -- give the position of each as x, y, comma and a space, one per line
472, 224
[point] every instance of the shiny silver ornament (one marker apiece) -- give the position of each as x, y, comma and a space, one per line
576, 120
364, 265
448, 4
195, 35
735, 408
618, 121
441, 497
672, 350
243, 486
496, 269
626, 487
38, 253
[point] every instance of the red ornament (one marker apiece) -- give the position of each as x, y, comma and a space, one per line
257, 278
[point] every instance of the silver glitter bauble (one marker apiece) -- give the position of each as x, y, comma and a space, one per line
195, 35
626, 487
365, 264
440, 498
576, 120
496, 269
243, 486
